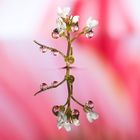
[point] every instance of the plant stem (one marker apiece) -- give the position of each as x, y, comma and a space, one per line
77, 36
77, 101
69, 44
53, 86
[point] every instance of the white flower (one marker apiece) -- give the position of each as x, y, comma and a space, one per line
67, 126
75, 19
61, 25
91, 116
63, 12
91, 23
76, 122
62, 121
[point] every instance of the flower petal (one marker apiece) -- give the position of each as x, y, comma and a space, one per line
90, 119
61, 25
76, 122
91, 116
95, 115
63, 12
75, 19
91, 23
67, 126
60, 125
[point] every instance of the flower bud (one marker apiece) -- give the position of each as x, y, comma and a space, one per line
54, 83
70, 59
74, 27
76, 113
55, 52
55, 33
89, 34
56, 110
90, 104
43, 49
43, 86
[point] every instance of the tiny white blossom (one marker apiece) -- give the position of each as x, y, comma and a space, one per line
62, 118
76, 122
91, 23
61, 25
63, 12
62, 121
91, 116
67, 126
75, 19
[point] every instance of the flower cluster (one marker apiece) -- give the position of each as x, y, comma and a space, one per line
66, 23
66, 117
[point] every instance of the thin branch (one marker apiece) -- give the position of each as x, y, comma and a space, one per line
50, 48
77, 36
50, 87
77, 101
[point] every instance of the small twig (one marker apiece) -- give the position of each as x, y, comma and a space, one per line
50, 87
77, 36
50, 48
77, 101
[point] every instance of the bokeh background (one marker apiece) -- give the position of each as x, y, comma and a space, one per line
108, 70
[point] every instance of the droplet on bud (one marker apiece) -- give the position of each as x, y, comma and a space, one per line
89, 34
43, 49
56, 110
54, 83
43, 86
55, 52
55, 33
76, 113
90, 104
74, 27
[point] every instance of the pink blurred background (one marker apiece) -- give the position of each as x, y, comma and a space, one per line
108, 70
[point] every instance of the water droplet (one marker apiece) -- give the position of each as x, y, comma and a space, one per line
74, 28
90, 104
55, 52
43, 86
43, 49
54, 83
89, 34
76, 113
56, 109
55, 33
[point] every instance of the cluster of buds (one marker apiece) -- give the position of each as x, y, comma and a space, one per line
66, 23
